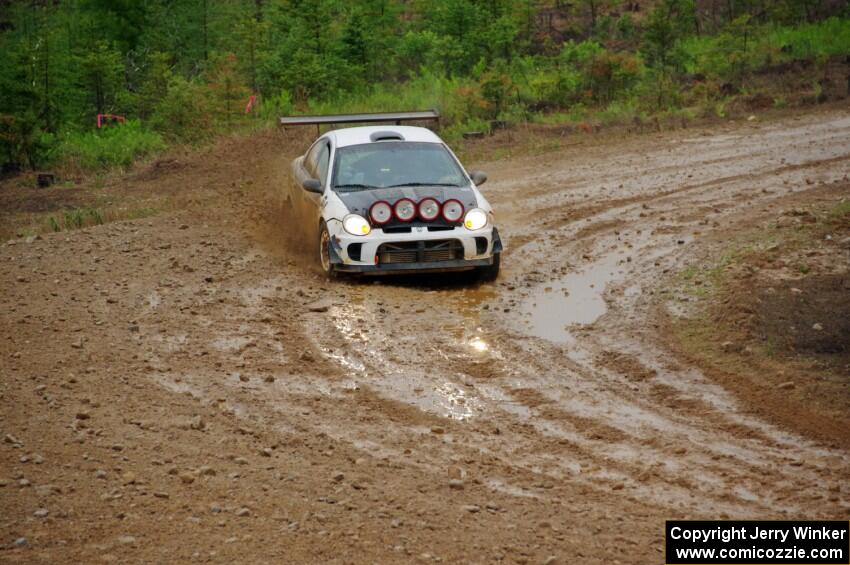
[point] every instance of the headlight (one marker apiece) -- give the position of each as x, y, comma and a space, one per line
452, 210
381, 212
356, 225
405, 209
475, 219
429, 209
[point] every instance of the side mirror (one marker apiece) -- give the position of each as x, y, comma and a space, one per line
312, 185
478, 177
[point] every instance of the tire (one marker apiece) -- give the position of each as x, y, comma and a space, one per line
324, 252
490, 272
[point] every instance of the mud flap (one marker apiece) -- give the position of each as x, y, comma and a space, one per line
333, 251
497, 242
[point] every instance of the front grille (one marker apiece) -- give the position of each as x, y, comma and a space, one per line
420, 251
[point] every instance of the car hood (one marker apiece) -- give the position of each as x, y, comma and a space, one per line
359, 202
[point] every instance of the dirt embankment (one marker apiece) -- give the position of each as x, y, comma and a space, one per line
170, 393
770, 317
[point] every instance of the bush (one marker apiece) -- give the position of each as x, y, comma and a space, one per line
115, 146
184, 114
23, 144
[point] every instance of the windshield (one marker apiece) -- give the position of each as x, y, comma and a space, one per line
389, 164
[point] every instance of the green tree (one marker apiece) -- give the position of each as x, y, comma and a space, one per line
101, 71
666, 25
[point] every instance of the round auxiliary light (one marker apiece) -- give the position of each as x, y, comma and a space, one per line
475, 219
452, 210
381, 212
405, 209
429, 209
356, 225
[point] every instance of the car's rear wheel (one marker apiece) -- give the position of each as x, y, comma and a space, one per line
490, 272
325, 252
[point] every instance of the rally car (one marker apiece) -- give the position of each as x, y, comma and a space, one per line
392, 199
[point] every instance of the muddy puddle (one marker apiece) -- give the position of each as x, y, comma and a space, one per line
552, 311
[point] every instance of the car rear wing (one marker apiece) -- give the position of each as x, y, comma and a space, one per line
394, 117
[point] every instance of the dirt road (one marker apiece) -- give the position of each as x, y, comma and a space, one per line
187, 388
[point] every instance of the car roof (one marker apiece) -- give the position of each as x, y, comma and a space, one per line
360, 135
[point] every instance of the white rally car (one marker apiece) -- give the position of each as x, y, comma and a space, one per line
391, 199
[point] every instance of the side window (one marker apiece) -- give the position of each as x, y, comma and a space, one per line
324, 159
311, 158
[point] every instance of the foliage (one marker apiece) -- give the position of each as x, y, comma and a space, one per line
185, 69
117, 145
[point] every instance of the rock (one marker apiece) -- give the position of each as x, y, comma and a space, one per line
40, 513
77, 344
126, 540
817, 327
788, 385
471, 508
242, 512
206, 471
197, 423
731, 347
437, 430
187, 478
161, 494
551, 560
456, 484
244, 378
83, 415
100, 474
269, 378
306, 356
9, 438
128, 478
21, 542
319, 306
266, 452
337, 477
184, 226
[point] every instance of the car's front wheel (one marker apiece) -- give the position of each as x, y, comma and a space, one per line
490, 272
325, 252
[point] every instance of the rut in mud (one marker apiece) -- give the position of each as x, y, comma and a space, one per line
427, 417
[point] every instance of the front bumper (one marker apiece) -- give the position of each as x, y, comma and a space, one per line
478, 249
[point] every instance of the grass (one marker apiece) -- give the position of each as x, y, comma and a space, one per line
115, 146
727, 55
77, 218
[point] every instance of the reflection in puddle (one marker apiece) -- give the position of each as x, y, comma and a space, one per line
479, 345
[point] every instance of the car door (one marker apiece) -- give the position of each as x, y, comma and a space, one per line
310, 166
318, 169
